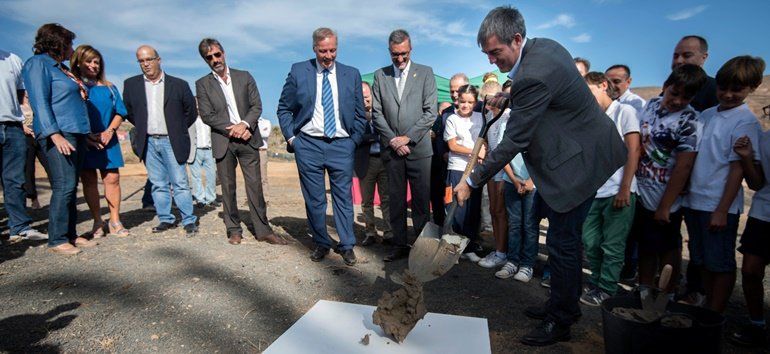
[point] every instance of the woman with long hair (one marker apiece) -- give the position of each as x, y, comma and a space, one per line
105, 112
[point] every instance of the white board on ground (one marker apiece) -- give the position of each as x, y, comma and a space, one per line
338, 327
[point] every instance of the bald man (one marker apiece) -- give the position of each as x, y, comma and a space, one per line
162, 108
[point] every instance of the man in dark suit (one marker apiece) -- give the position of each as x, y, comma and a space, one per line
162, 108
321, 114
370, 170
404, 110
569, 146
229, 102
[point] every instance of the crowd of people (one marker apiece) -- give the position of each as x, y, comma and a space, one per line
615, 175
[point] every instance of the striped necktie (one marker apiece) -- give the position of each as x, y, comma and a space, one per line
327, 100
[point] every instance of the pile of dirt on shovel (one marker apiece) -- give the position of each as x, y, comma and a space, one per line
398, 312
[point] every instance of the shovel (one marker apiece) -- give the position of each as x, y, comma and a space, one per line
654, 306
437, 248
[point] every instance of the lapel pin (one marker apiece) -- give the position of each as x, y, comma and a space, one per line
414, 75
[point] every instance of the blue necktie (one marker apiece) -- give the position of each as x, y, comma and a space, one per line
327, 100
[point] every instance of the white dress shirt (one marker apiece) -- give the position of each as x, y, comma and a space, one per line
398, 76
10, 83
156, 118
315, 127
202, 134
227, 89
264, 131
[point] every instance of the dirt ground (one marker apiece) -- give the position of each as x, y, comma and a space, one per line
167, 293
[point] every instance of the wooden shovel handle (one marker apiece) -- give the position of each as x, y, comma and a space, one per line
665, 276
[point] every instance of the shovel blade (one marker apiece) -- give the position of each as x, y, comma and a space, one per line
433, 254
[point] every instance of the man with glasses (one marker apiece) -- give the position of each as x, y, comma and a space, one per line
162, 108
620, 77
229, 102
404, 109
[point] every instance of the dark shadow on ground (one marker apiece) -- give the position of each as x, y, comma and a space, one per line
23, 333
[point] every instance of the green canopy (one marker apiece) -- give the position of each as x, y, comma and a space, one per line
442, 83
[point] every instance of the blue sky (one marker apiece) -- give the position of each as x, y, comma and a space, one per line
265, 37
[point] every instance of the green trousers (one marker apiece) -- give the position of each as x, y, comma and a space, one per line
604, 239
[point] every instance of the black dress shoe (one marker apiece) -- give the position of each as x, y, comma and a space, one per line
396, 254
319, 253
163, 227
536, 312
546, 333
191, 229
347, 255
369, 240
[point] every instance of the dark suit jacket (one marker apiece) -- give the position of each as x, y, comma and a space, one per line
570, 146
362, 151
178, 107
212, 107
412, 116
297, 102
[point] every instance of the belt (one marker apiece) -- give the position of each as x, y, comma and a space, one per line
204, 148
157, 136
12, 123
375, 154
324, 138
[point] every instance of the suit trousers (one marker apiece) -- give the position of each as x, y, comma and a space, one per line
241, 153
565, 258
438, 172
376, 175
315, 157
417, 173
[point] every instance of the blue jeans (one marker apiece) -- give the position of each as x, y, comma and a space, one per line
467, 218
523, 227
63, 173
163, 170
13, 150
204, 160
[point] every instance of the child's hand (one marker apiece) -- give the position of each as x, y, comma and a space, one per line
622, 199
718, 221
743, 147
662, 216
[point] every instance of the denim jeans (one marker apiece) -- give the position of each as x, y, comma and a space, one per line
162, 170
13, 149
63, 174
204, 160
523, 227
467, 218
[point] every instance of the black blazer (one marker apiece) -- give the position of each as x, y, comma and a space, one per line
213, 108
361, 164
178, 107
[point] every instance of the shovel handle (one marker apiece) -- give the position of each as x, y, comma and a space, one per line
665, 276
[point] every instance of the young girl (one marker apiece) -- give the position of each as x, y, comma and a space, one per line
462, 130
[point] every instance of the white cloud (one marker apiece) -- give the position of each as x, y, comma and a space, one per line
582, 38
563, 20
687, 13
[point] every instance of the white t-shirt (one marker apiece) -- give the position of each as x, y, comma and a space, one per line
466, 130
760, 205
10, 82
633, 100
715, 153
664, 134
624, 117
264, 131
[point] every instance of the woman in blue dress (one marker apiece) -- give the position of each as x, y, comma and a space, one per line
105, 112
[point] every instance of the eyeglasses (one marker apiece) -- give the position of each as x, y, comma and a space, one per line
148, 60
396, 55
766, 110
212, 56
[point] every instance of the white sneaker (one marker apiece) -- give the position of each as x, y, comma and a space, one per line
492, 260
524, 274
14, 239
33, 235
471, 256
508, 270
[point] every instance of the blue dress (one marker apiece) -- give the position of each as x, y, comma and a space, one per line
104, 103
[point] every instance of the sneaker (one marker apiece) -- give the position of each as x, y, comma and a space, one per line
694, 299
524, 274
492, 260
546, 280
14, 239
508, 270
749, 336
594, 297
33, 235
471, 256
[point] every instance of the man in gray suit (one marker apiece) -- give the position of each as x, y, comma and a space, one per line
404, 109
569, 146
228, 102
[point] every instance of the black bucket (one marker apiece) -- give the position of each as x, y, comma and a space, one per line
624, 336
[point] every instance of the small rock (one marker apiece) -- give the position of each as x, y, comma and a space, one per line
154, 337
365, 339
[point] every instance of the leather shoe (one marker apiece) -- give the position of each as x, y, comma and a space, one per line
347, 255
235, 239
536, 312
163, 227
546, 333
397, 253
190, 230
319, 253
369, 240
273, 240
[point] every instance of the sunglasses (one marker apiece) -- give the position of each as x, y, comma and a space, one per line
212, 56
